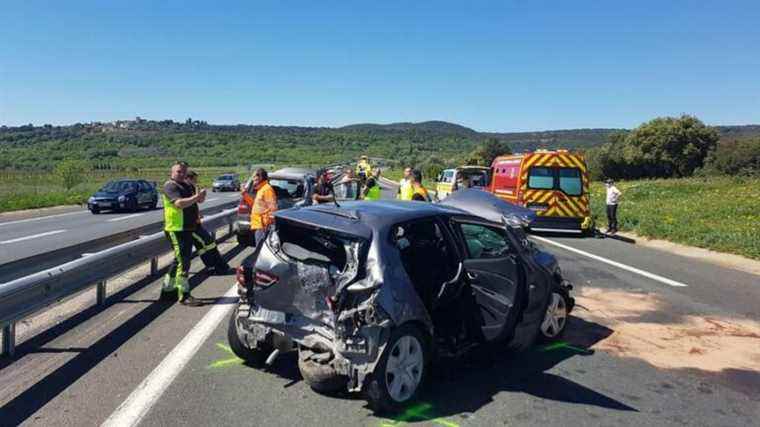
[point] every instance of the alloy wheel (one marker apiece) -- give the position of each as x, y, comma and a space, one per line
404, 368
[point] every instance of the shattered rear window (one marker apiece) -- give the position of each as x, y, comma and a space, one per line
315, 246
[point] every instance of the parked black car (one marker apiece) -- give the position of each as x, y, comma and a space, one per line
369, 293
126, 194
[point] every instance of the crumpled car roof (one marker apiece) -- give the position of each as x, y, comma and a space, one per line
361, 218
486, 205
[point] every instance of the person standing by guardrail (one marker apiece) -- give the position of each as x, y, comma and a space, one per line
405, 189
181, 217
205, 244
613, 198
264, 205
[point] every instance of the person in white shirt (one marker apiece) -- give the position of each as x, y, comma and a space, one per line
613, 198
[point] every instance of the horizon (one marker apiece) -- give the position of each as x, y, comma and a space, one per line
508, 67
361, 124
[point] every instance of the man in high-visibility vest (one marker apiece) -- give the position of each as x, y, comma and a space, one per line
204, 242
420, 192
181, 215
372, 187
364, 168
264, 205
405, 189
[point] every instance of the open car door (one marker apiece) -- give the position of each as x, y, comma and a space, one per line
491, 268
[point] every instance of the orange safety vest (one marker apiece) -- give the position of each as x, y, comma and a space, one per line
264, 205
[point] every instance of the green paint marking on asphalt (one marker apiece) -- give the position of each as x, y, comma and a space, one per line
562, 344
225, 348
418, 413
234, 360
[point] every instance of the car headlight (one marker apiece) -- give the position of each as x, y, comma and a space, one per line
91, 199
122, 198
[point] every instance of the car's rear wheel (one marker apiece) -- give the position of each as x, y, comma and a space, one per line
401, 371
555, 319
319, 373
251, 356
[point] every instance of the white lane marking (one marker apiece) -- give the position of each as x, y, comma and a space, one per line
41, 218
647, 274
124, 217
153, 386
34, 236
211, 200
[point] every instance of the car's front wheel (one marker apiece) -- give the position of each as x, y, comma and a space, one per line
95, 210
555, 319
401, 371
251, 356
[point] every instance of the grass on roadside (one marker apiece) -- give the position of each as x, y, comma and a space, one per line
30, 190
718, 213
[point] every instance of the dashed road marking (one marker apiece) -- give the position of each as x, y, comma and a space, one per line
34, 236
658, 278
153, 386
40, 218
121, 218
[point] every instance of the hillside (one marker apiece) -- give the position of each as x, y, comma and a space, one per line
143, 143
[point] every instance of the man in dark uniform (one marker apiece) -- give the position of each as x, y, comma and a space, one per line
323, 192
181, 216
205, 244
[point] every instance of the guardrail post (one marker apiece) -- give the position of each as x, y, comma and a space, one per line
101, 292
9, 339
154, 266
229, 229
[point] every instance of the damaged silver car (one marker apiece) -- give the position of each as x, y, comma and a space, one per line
370, 293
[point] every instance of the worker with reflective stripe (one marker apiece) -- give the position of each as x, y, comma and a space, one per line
204, 242
180, 220
364, 168
372, 188
264, 205
420, 192
405, 189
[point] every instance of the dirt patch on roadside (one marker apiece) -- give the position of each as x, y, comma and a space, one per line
708, 343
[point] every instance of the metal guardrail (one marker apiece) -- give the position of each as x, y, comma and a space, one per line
22, 267
27, 295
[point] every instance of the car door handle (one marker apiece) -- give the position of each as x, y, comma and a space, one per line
472, 276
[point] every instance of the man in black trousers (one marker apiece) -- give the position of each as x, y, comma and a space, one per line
204, 242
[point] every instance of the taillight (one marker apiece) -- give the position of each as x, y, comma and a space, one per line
240, 276
264, 279
243, 208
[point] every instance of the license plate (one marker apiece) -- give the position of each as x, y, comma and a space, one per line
267, 316
104, 204
537, 207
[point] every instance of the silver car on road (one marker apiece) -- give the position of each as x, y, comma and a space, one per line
369, 293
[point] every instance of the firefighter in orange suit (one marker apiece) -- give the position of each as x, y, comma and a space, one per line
264, 205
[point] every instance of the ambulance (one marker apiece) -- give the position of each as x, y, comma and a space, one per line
554, 184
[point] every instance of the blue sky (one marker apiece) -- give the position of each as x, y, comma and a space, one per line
493, 66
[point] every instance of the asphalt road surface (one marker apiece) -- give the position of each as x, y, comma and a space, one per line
657, 339
31, 233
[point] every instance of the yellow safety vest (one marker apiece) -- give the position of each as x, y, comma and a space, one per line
406, 190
